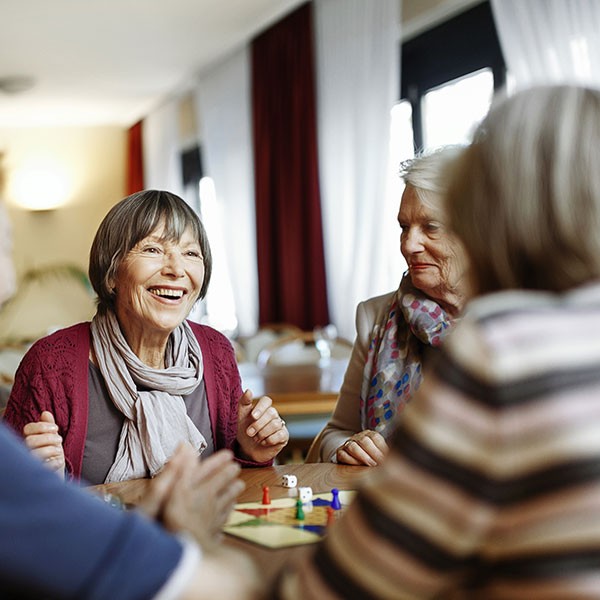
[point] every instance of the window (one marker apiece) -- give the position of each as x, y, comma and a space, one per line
449, 74
218, 307
451, 111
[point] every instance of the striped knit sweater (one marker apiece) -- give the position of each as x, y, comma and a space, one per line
492, 487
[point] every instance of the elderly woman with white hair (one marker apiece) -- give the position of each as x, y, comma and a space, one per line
394, 331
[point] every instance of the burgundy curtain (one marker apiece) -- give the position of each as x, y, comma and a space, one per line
291, 265
135, 159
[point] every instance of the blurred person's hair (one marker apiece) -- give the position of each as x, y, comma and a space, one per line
525, 195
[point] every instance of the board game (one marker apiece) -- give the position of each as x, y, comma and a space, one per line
275, 525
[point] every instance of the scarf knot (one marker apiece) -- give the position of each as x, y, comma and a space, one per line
151, 400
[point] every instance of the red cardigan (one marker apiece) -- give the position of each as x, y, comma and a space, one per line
53, 376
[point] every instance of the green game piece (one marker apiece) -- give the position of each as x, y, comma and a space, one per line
299, 510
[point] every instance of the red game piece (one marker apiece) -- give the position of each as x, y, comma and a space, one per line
330, 515
266, 497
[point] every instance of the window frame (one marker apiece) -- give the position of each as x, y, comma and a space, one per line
462, 45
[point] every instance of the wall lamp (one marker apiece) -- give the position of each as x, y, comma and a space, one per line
39, 188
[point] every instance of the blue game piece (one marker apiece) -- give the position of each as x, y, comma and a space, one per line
335, 500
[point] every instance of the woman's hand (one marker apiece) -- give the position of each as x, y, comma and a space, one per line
42, 438
193, 495
261, 431
363, 448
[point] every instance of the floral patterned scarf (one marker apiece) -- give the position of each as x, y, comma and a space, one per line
392, 370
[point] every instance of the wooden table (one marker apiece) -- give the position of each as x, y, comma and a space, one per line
321, 477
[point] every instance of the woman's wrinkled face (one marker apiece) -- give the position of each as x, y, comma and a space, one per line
434, 256
158, 282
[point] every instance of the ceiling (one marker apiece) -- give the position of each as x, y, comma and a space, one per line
109, 62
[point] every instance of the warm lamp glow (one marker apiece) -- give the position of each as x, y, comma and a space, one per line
39, 188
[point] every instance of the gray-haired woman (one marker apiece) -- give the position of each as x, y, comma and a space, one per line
112, 399
394, 330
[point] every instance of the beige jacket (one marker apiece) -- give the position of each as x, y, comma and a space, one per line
345, 420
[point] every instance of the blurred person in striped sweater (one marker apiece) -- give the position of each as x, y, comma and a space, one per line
491, 488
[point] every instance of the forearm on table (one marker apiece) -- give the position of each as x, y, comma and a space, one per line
345, 420
331, 439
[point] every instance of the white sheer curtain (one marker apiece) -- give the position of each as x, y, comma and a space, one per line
550, 41
162, 149
223, 110
357, 83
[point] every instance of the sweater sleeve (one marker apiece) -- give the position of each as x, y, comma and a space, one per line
345, 420
235, 393
224, 389
49, 378
59, 541
27, 401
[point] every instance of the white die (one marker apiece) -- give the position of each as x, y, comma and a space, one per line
289, 481
305, 494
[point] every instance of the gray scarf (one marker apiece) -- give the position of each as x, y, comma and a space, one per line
156, 420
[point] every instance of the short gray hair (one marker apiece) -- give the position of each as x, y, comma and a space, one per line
131, 220
525, 196
428, 172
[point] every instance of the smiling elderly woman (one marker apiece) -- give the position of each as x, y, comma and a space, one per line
395, 330
111, 400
